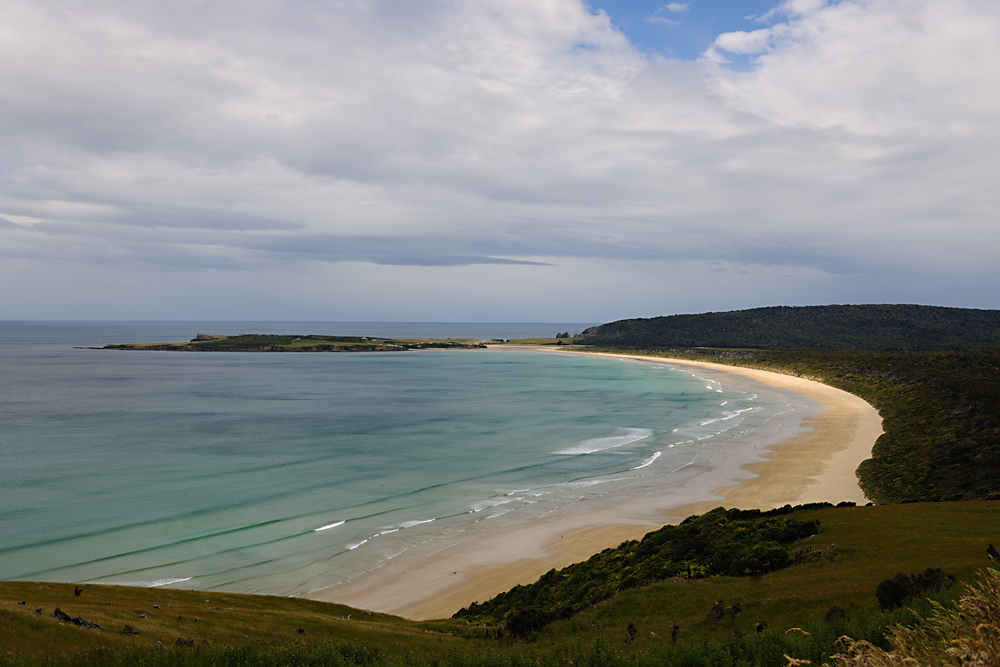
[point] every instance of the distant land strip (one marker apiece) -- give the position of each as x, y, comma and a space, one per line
310, 343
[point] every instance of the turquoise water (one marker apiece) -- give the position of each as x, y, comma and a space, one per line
287, 473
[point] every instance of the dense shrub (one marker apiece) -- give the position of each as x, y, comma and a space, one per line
736, 543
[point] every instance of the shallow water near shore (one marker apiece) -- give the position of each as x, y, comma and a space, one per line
289, 473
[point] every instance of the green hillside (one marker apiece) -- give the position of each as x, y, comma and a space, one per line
863, 327
789, 611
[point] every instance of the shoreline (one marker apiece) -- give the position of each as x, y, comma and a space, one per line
835, 432
823, 460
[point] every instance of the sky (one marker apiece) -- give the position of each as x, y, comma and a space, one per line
685, 30
494, 160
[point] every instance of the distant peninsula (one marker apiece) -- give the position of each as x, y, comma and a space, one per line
881, 327
310, 343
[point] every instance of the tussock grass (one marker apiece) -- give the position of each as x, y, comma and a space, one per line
967, 636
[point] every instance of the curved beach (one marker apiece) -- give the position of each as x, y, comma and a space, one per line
812, 458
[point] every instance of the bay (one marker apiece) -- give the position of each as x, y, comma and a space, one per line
288, 473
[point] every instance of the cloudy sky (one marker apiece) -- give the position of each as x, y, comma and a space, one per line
495, 160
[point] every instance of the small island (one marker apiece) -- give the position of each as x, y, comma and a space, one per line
310, 343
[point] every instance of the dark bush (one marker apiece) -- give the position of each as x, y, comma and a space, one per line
525, 621
893, 592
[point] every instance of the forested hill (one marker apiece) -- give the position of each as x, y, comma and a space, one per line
863, 327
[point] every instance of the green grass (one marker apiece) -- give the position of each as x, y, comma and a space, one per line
872, 544
210, 619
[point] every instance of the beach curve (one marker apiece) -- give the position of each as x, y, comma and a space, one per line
817, 463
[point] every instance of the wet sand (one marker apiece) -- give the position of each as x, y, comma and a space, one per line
811, 458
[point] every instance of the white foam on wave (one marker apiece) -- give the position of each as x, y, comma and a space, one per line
156, 583
648, 461
486, 504
330, 525
355, 545
410, 524
711, 386
727, 416
600, 444
581, 485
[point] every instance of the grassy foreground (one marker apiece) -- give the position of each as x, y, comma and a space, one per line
869, 545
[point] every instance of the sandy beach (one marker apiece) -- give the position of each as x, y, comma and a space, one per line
811, 458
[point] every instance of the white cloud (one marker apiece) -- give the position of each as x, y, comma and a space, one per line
769, 15
739, 43
659, 16
275, 151
873, 67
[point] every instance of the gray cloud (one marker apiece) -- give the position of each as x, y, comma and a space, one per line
856, 153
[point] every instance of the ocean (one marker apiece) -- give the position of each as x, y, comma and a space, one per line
288, 473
